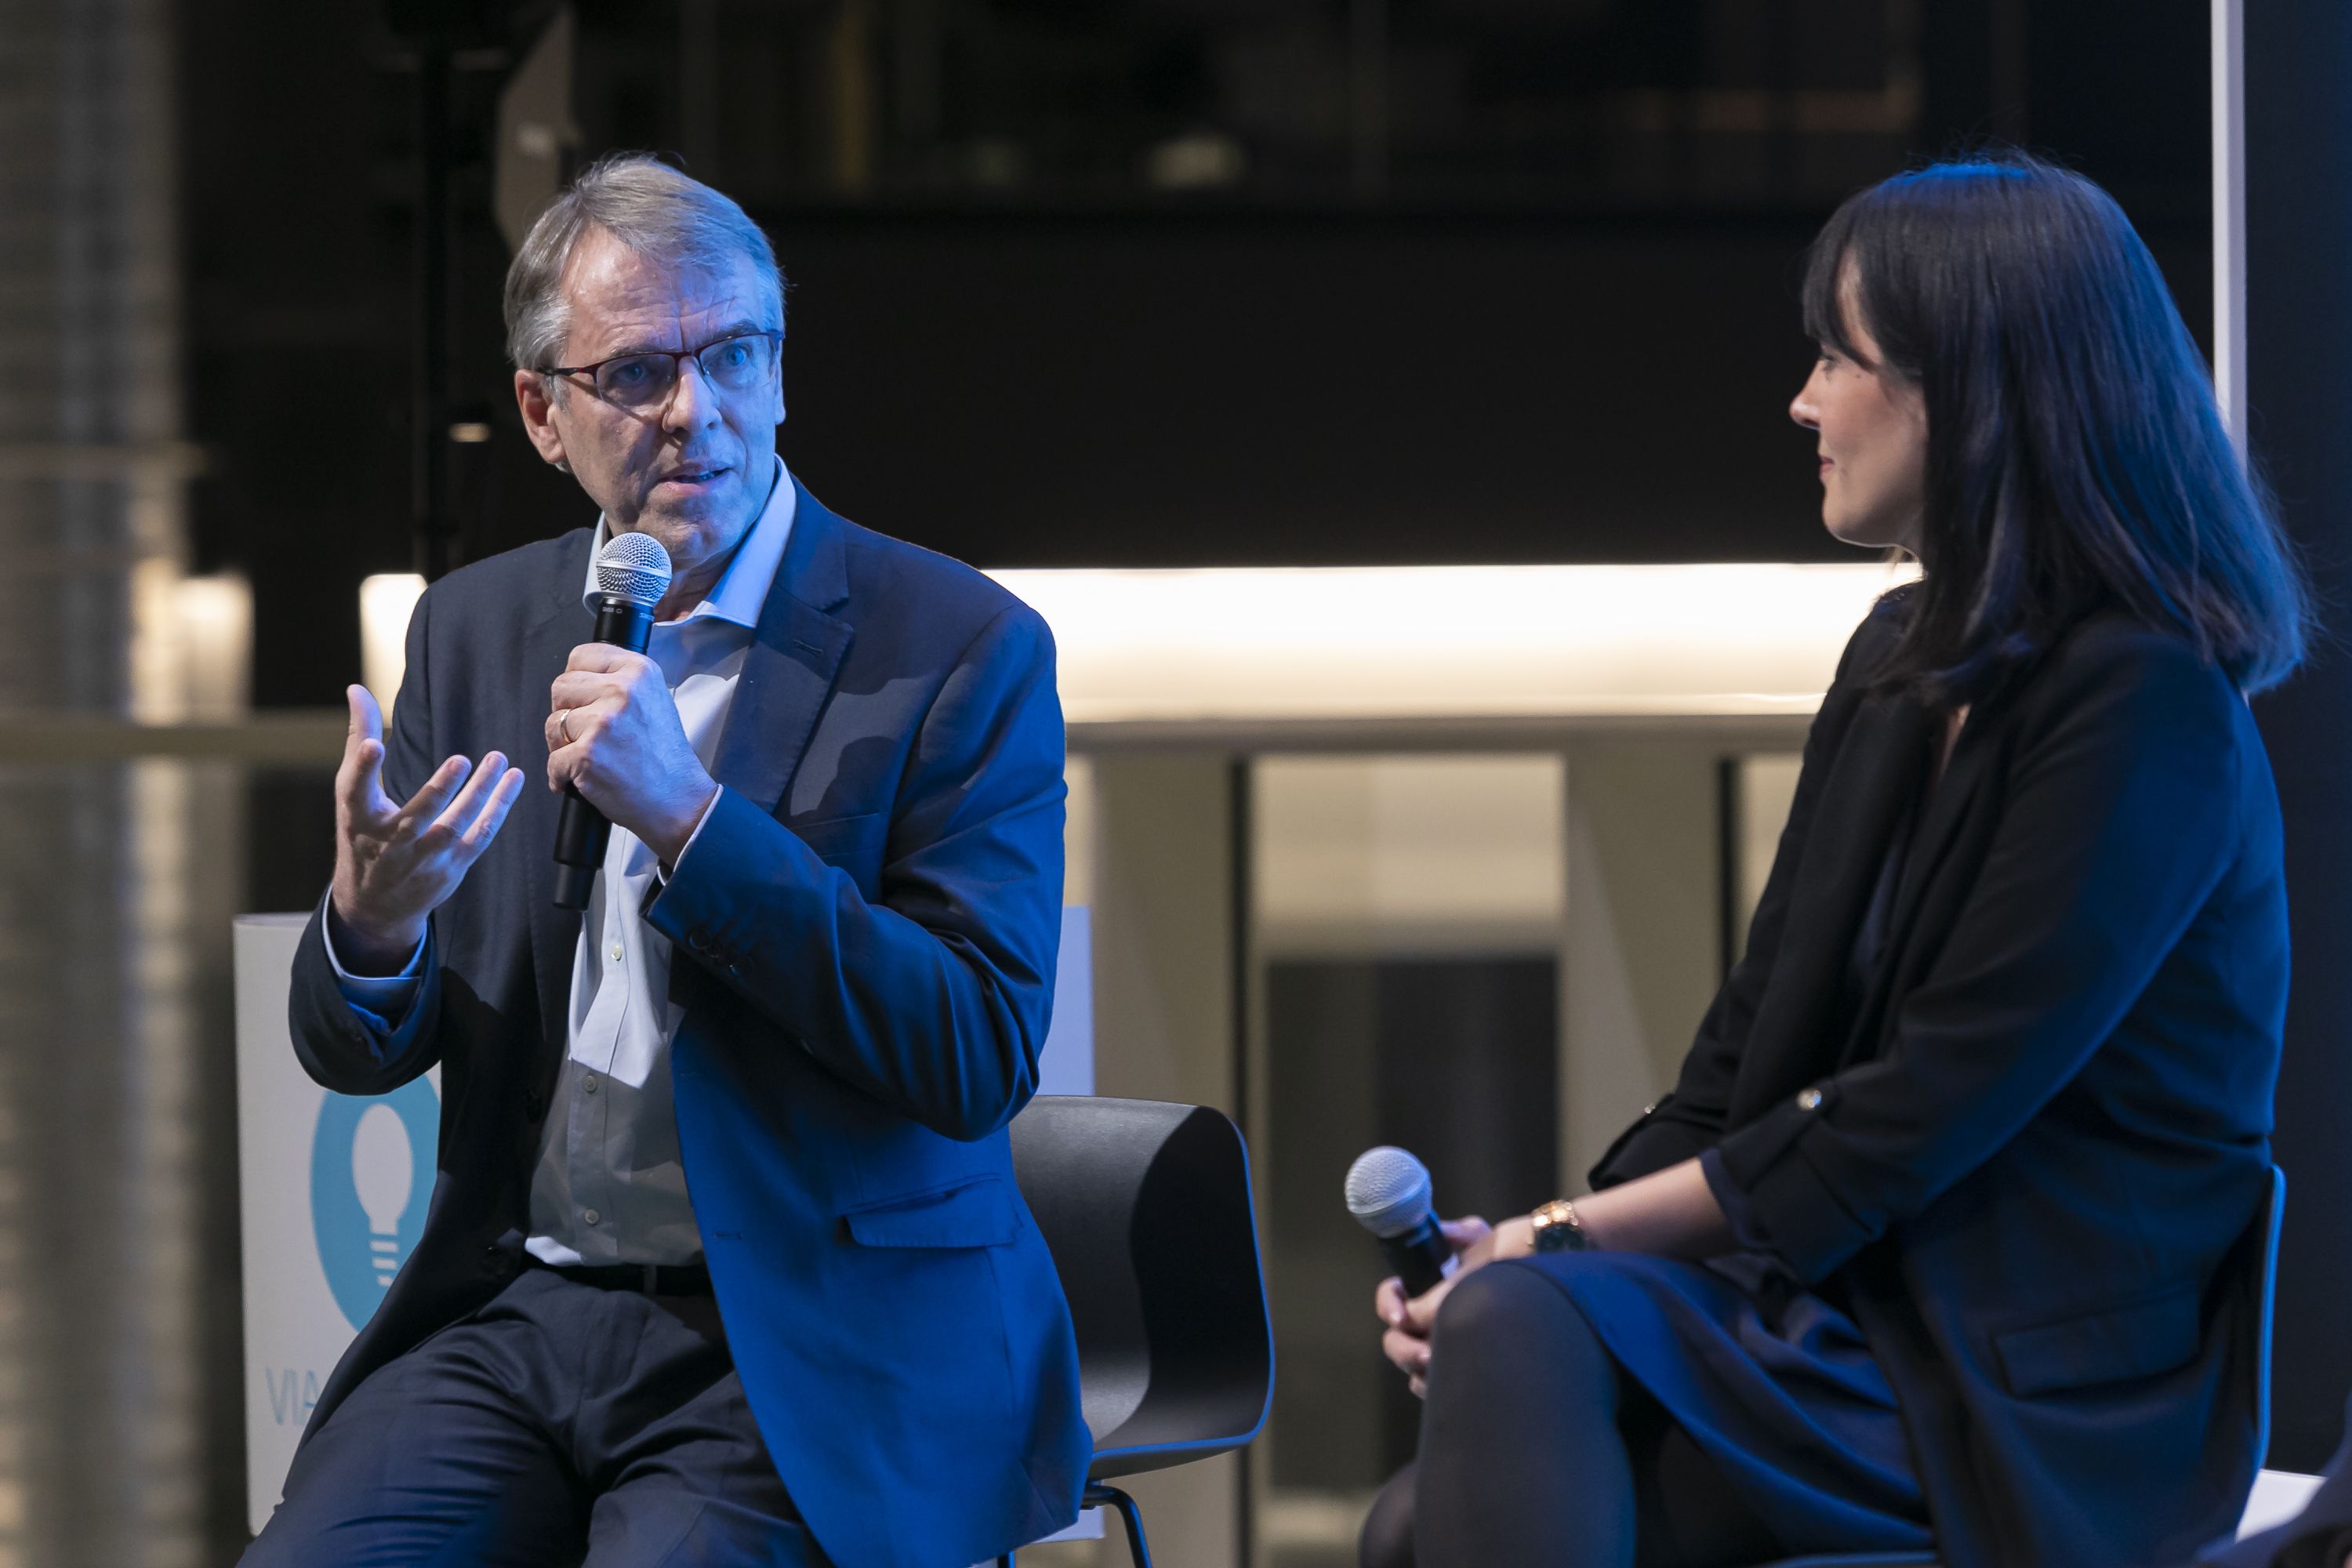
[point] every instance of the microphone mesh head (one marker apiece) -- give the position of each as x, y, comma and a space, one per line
633, 566
1388, 1191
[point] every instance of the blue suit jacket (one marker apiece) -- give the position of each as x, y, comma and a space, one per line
865, 931
2032, 1153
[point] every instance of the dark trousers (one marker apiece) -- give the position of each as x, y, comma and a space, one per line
559, 1425
1535, 1449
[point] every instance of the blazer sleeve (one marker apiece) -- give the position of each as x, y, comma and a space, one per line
935, 999
2122, 812
348, 1048
1691, 1119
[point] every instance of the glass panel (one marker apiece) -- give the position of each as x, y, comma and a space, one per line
1410, 917
1451, 1058
1408, 914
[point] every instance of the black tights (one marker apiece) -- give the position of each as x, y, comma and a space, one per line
1536, 1451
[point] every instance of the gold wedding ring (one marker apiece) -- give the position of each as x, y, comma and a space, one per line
564, 724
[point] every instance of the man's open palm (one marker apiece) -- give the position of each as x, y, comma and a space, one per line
395, 864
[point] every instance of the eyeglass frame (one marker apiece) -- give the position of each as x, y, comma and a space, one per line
677, 358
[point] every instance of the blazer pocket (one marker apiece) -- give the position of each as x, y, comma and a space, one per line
2115, 1344
980, 1213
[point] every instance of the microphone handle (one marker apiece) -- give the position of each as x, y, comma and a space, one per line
581, 831
1419, 1257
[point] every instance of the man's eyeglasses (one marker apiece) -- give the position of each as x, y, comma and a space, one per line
644, 382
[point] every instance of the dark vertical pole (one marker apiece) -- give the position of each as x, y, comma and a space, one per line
435, 533
2011, 52
1730, 896
1241, 837
1368, 97
1785, 72
2299, 60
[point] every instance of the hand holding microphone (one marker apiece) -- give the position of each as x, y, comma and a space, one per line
616, 747
1389, 1193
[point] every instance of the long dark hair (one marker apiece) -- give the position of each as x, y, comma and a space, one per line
2077, 459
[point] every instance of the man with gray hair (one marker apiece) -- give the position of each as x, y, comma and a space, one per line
724, 1263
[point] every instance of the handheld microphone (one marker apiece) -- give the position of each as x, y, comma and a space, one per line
1388, 1192
632, 576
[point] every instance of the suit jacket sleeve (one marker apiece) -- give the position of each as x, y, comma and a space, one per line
933, 1000
349, 1049
1691, 1119
2121, 814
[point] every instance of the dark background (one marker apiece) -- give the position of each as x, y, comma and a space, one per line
1536, 304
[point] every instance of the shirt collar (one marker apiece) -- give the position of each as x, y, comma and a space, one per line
742, 589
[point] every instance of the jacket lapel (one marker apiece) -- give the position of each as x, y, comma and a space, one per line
1974, 758
563, 624
794, 656
1875, 772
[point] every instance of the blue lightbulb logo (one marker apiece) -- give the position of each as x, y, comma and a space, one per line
370, 1185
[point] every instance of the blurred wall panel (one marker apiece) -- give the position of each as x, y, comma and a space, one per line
1642, 955
1407, 916
98, 1396
1160, 865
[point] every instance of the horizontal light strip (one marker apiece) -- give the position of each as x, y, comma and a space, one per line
1308, 643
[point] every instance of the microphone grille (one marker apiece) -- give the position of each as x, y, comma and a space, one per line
1388, 1191
633, 566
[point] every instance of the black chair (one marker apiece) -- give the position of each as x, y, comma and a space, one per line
1146, 1210
2256, 1271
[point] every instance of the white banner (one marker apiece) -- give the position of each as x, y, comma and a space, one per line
334, 1188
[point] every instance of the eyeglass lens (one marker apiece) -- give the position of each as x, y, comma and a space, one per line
645, 381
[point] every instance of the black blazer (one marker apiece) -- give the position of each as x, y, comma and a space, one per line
2032, 1154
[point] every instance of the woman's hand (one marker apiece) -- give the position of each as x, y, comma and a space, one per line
1672, 1213
1405, 1338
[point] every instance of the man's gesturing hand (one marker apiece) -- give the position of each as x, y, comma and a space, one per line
614, 735
396, 864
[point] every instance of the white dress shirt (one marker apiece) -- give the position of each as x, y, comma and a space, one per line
610, 1185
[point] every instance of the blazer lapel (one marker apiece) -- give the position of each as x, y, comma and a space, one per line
1972, 760
563, 624
1874, 773
794, 656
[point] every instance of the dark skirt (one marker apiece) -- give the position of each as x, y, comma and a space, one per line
1774, 1383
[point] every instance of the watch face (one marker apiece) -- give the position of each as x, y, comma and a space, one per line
1557, 1234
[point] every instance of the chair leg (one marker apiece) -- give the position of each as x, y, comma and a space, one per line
1100, 1495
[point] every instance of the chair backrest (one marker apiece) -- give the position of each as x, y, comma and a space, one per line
1146, 1207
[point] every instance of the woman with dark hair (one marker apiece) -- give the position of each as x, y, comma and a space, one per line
1938, 1244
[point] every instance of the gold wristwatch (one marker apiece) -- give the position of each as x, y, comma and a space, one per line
1558, 1229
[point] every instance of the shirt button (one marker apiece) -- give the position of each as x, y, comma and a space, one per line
1809, 1100
588, 1085
616, 952
591, 1215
